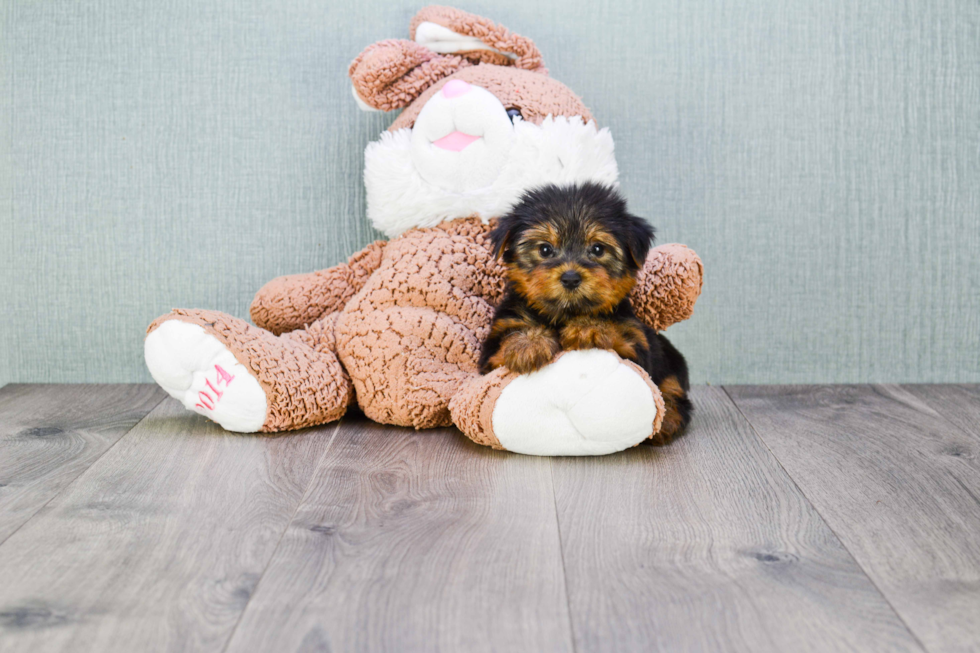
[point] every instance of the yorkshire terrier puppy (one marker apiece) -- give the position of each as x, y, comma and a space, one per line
572, 254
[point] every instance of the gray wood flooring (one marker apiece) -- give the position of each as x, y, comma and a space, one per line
789, 518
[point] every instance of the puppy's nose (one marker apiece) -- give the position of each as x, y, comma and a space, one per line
570, 279
455, 87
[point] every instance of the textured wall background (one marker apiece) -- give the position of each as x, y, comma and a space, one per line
822, 157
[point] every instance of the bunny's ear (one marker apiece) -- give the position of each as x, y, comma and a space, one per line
390, 74
479, 40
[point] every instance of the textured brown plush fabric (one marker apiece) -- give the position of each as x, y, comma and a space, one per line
412, 336
390, 74
304, 386
291, 302
472, 407
485, 56
667, 286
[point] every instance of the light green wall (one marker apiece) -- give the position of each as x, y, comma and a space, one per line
822, 157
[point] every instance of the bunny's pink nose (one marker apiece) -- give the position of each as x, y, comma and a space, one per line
455, 87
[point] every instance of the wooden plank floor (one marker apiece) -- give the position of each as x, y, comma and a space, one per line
49, 435
803, 518
898, 483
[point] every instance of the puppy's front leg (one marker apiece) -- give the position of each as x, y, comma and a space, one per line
591, 332
526, 348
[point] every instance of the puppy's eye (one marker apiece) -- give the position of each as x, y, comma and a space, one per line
514, 113
597, 250
546, 250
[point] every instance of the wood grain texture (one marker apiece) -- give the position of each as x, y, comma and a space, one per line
707, 545
959, 404
898, 483
49, 435
158, 545
415, 541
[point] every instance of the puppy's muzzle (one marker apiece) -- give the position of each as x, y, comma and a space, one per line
570, 279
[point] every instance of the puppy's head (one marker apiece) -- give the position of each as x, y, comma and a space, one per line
572, 250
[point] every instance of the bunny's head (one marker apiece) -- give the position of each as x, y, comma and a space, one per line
481, 122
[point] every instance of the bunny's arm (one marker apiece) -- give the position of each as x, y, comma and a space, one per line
291, 302
667, 286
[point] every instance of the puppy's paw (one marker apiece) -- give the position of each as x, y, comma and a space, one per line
602, 333
588, 334
527, 351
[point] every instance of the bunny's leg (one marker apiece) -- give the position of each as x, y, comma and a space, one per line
245, 378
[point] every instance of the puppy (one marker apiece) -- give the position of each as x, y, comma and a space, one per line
572, 254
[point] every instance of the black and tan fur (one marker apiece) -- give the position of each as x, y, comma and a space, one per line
572, 254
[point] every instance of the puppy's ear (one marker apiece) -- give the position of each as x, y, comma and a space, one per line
638, 238
503, 234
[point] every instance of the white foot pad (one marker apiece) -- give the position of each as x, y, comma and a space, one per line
587, 403
198, 371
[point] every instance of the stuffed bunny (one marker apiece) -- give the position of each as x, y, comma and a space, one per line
399, 327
